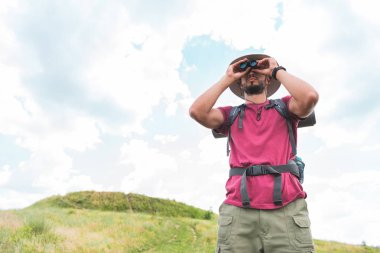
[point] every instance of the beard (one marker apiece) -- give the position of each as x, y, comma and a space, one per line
254, 89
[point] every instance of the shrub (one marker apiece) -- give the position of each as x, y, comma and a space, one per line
208, 215
36, 225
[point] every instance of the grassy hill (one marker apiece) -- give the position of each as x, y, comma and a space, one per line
114, 222
120, 202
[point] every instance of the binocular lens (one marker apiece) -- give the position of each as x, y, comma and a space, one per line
246, 64
243, 65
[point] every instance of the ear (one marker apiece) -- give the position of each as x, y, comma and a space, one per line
241, 87
267, 80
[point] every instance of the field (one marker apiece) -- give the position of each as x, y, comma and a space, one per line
49, 227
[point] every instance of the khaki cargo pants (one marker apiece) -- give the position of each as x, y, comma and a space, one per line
283, 230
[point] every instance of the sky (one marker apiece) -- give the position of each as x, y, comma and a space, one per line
95, 96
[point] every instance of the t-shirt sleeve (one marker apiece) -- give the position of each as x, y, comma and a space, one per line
286, 101
295, 119
223, 129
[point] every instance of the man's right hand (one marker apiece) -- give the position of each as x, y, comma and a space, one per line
233, 72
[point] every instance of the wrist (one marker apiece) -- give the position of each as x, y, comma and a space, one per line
275, 70
228, 80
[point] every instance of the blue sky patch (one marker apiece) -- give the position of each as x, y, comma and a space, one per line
206, 61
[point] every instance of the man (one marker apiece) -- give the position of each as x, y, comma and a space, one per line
264, 212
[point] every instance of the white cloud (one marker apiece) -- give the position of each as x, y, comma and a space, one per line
51, 169
241, 24
300, 46
367, 10
185, 154
345, 132
148, 168
48, 139
340, 206
165, 138
335, 135
5, 175
138, 79
47, 134
213, 151
185, 176
84, 183
13, 199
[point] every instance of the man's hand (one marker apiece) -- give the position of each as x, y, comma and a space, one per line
266, 66
233, 72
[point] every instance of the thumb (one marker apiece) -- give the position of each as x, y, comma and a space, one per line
246, 71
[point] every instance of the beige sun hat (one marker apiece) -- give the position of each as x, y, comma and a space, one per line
272, 87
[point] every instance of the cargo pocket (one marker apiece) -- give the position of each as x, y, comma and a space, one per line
224, 230
300, 234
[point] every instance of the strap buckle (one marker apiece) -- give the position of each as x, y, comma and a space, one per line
246, 204
256, 170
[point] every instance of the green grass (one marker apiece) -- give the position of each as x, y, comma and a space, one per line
47, 227
72, 230
336, 247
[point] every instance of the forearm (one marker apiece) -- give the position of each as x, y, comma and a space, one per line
202, 106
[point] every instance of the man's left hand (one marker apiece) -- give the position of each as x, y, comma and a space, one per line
266, 66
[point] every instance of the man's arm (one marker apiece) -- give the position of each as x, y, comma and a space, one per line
202, 109
304, 96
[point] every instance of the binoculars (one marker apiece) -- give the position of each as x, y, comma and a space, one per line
244, 65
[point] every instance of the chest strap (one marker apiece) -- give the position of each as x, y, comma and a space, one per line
258, 170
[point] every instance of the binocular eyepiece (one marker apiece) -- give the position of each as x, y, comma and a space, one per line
244, 65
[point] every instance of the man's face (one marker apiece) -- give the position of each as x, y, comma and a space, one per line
253, 83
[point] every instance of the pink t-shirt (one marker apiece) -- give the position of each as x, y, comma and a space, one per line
264, 139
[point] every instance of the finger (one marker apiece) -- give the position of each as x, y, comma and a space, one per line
236, 67
263, 60
246, 71
263, 64
241, 61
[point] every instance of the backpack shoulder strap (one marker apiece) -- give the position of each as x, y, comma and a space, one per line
282, 109
234, 112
